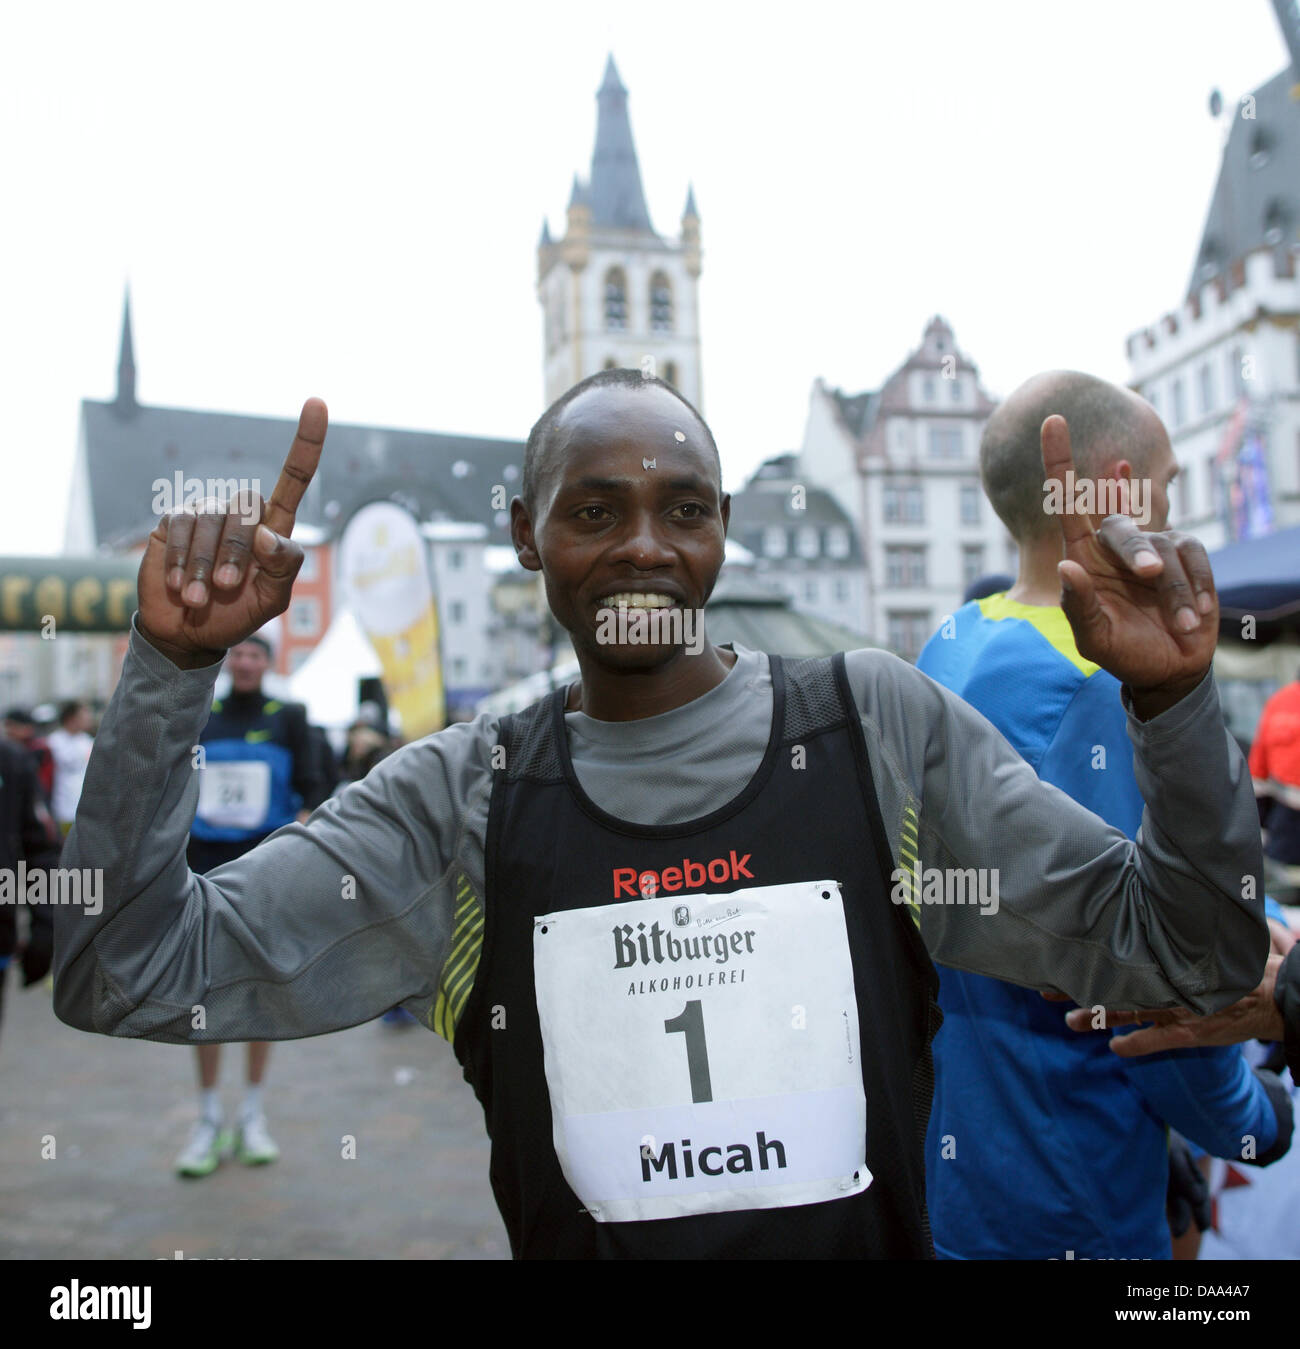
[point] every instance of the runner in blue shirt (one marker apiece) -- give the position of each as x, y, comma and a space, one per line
1042, 1142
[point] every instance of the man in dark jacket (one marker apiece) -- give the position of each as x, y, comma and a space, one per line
26, 846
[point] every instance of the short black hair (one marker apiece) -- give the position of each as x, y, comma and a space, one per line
624, 377
70, 709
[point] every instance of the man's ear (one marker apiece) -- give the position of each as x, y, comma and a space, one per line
725, 512
1122, 471
521, 535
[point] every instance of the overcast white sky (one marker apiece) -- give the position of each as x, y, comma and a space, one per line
345, 200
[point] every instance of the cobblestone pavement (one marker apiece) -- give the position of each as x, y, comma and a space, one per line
120, 1110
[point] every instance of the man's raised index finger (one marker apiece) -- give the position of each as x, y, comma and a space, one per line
1058, 460
299, 468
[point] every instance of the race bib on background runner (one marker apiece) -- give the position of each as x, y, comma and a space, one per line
235, 795
702, 1055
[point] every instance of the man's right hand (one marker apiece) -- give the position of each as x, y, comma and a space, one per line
210, 579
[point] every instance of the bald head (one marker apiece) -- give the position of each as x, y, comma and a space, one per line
1107, 425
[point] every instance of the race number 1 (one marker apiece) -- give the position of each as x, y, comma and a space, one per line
679, 1081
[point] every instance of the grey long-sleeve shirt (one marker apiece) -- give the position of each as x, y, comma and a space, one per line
326, 925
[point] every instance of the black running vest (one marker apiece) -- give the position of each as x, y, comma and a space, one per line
549, 847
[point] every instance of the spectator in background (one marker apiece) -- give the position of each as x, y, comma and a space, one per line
367, 746
70, 745
27, 834
1021, 1153
260, 771
327, 765
20, 727
1275, 773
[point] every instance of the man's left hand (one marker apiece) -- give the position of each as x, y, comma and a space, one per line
1142, 606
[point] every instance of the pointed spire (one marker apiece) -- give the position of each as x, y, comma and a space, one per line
612, 80
545, 240
579, 196
126, 360
691, 212
616, 195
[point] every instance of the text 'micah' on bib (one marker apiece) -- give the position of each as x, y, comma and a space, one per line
727, 1070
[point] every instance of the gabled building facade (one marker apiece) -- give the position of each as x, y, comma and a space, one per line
803, 542
903, 463
1223, 370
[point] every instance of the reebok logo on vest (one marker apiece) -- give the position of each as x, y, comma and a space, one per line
629, 883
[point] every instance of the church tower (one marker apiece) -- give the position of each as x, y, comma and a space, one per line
612, 291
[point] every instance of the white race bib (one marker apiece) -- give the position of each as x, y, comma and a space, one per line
702, 1055
235, 795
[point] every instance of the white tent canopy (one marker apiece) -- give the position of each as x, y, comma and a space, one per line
327, 680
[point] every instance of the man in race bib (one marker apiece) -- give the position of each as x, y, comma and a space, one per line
676, 920
256, 770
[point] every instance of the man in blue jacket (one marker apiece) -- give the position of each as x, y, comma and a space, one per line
1041, 1142
259, 773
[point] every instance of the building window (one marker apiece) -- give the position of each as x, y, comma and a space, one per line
972, 563
807, 544
670, 373
1153, 397
661, 304
456, 612
1236, 379
1211, 487
455, 559
459, 669
1177, 412
610, 363
908, 631
615, 298
810, 592
310, 569
904, 567
841, 590
970, 503
904, 504
774, 541
837, 542
304, 618
1205, 387
945, 442
1184, 481
927, 389
956, 390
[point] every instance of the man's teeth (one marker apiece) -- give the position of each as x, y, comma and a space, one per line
636, 600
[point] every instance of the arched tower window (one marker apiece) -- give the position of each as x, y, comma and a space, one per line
670, 373
615, 298
610, 363
661, 304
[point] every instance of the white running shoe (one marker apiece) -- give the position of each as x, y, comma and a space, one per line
202, 1154
254, 1146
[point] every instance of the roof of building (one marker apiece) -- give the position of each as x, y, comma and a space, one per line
1256, 202
616, 196
744, 609
438, 477
767, 501
857, 411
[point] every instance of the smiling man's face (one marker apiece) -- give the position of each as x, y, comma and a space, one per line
607, 531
